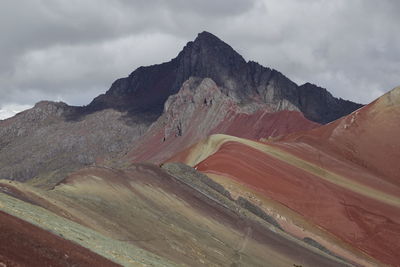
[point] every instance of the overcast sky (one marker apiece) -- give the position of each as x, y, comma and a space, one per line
72, 50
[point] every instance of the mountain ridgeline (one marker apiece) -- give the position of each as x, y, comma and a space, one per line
52, 139
147, 88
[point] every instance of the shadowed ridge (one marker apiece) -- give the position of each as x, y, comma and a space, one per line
319, 105
147, 88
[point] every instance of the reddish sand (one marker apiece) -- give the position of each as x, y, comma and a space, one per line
263, 124
367, 224
368, 137
23, 244
339, 165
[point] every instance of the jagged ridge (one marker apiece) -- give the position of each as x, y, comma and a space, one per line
147, 88
53, 138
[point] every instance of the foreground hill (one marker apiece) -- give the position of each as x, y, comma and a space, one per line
337, 184
23, 244
169, 216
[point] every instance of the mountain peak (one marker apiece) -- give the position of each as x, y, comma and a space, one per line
147, 88
212, 48
207, 37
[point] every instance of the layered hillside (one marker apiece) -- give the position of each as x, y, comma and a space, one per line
367, 137
337, 184
152, 216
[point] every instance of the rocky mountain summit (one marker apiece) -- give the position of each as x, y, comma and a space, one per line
147, 88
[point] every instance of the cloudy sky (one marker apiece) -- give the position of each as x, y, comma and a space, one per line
72, 50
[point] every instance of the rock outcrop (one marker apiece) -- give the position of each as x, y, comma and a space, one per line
199, 109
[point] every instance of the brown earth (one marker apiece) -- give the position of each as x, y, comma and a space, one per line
23, 244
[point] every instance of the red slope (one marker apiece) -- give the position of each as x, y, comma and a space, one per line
367, 224
362, 147
368, 137
264, 124
23, 244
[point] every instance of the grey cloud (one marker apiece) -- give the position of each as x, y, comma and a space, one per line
350, 47
72, 50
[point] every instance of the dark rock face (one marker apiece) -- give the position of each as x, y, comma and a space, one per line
319, 105
147, 88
